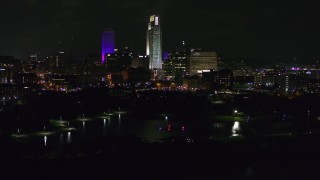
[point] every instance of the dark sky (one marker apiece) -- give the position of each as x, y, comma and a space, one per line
236, 29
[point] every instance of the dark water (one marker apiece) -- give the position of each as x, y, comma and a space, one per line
62, 134
160, 145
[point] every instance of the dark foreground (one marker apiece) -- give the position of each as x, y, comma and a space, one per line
267, 158
267, 149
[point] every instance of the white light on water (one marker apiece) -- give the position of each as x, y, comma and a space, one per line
235, 128
45, 140
119, 120
104, 125
109, 121
69, 138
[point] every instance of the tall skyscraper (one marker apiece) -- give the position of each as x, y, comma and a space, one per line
154, 44
107, 43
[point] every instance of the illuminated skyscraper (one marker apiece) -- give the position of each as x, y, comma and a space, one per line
154, 44
107, 43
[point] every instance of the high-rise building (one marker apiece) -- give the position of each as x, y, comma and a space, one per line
8, 68
154, 44
202, 61
222, 79
107, 43
175, 66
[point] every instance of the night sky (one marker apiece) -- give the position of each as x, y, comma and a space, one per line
254, 31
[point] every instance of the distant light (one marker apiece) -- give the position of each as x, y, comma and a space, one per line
235, 111
183, 128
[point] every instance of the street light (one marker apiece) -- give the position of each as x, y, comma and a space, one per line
234, 114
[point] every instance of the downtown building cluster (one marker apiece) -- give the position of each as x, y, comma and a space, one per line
176, 66
182, 68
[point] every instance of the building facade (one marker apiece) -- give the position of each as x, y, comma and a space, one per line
107, 43
176, 64
154, 43
202, 62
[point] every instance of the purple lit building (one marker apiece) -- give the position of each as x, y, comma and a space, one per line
107, 43
165, 55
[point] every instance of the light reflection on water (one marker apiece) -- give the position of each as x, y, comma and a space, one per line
109, 121
84, 125
235, 129
119, 119
152, 129
69, 138
45, 140
104, 126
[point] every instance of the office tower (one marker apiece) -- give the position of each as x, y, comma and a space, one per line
175, 66
154, 44
222, 79
107, 43
202, 61
8, 68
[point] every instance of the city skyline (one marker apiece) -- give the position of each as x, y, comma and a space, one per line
253, 31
